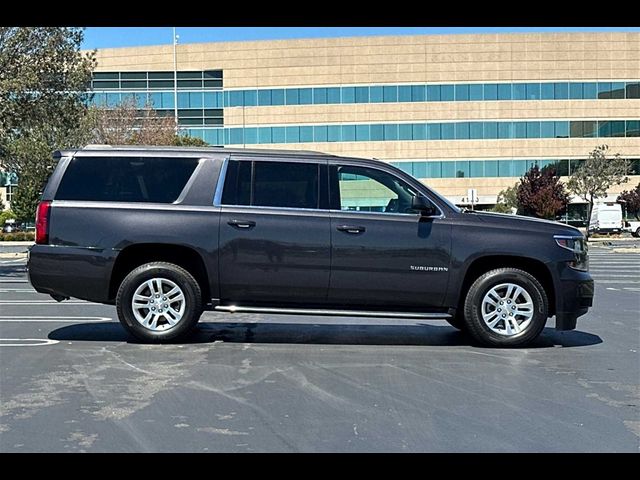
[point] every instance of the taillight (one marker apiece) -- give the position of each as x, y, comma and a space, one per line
42, 222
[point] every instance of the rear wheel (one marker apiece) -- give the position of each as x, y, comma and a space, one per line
159, 302
637, 234
506, 307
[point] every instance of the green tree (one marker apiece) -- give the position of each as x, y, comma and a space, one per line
184, 140
597, 174
631, 201
541, 194
6, 215
44, 79
507, 200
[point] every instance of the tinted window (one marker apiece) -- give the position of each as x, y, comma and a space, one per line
285, 184
237, 184
125, 179
276, 184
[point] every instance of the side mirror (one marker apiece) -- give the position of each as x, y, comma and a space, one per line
424, 206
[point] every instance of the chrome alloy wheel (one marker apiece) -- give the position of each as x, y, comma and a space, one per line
507, 309
158, 304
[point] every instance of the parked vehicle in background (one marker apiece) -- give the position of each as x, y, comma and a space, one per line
606, 217
12, 226
165, 233
633, 227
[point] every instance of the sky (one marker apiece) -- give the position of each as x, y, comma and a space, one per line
111, 37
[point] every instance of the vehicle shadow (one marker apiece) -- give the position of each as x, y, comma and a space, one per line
320, 334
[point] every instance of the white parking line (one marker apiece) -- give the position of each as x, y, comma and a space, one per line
14, 281
17, 290
50, 319
623, 282
598, 275
41, 302
39, 342
613, 270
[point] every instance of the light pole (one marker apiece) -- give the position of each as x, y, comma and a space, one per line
175, 79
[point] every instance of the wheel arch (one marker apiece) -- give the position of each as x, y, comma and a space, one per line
138, 254
530, 265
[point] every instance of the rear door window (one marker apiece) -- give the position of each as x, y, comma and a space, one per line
272, 184
126, 179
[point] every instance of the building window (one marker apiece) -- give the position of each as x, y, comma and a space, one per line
348, 95
447, 131
11, 190
561, 91
447, 93
505, 91
404, 93
462, 130
462, 93
305, 96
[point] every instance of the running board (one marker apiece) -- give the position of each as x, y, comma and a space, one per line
340, 313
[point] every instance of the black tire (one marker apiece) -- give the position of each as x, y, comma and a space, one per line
637, 234
477, 327
457, 322
176, 274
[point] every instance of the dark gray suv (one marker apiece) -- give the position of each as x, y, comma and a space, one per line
165, 233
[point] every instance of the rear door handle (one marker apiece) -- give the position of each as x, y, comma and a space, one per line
353, 229
242, 223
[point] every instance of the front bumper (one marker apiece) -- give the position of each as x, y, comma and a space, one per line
574, 296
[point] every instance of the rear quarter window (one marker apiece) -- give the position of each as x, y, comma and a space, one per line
125, 179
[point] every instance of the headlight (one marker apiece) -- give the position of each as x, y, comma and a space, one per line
578, 246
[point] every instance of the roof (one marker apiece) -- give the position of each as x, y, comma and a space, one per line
187, 150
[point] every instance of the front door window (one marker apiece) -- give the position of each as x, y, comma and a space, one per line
370, 190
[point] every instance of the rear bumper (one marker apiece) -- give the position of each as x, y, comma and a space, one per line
71, 271
574, 299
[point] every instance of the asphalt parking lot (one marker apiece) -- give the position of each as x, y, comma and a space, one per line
72, 380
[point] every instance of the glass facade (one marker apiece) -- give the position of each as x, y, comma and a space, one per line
200, 97
492, 168
420, 131
436, 93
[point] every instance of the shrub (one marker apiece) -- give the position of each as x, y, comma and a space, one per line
17, 237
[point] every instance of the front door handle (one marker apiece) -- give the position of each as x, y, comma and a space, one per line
242, 223
353, 229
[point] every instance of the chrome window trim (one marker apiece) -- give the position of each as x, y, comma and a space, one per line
262, 207
388, 214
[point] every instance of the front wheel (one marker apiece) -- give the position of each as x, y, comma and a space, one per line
159, 302
506, 307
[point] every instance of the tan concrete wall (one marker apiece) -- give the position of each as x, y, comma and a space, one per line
397, 59
471, 149
433, 111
